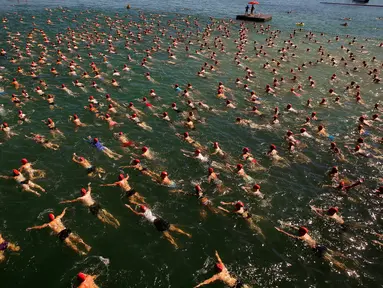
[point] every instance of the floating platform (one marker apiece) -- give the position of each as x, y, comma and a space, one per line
255, 17
352, 4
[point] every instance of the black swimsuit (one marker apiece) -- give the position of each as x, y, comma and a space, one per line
90, 169
64, 234
161, 224
4, 246
95, 209
130, 193
320, 250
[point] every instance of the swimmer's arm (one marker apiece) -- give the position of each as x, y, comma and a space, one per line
223, 209
134, 211
38, 227
218, 258
70, 201
208, 281
359, 182
288, 234
5, 177
108, 185
62, 213
227, 203
317, 211
13, 247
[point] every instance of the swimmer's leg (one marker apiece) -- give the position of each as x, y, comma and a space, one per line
38, 174
26, 188
170, 238
338, 264
176, 229
77, 239
139, 198
73, 246
106, 217
34, 185
2, 257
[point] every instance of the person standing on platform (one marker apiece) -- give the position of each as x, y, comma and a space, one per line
247, 10
252, 10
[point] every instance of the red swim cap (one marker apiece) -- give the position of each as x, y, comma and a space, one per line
198, 188
83, 191
239, 204
197, 152
134, 115
144, 149
216, 145
186, 134
51, 216
219, 267
332, 210
256, 187
121, 177
143, 208
272, 147
303, 231
16, 172
303, 130
95, 140
239, 166
174, 105
24, 161
164, 174
81, 276
211, 170
144, 99
289, 133
245, 150
81, 159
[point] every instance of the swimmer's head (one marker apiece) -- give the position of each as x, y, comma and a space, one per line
81, 276
289, 133
303, 231
143, 208
197, 152
273, 147
136, 161
81, 159
24, 161
360, 140
164, 174
257, 187
303, 130
51, 216
198, 188
83, 191
289, 106
239, 166
144, 149
357, 148
121, 177
186, 134
219, 267
134, 115
216, 145
16, 172
332, 210
320, 127
95, 140
211, 170
239, 205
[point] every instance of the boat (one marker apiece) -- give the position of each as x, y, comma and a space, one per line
300, 24
361, 1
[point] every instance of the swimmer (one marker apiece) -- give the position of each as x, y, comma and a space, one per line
26, 185
41, 139
135, 110
6, 245
97, 144
242, 211
132, 195
218, 151
212, 177
273, 154
32, 173
255, 190
136, 164
204, 201
52, 127
224, 276
94, 207
125, 142
240, 171
91, 171
87, 280
196, 155
186, 137
76, 121
320, 250
139, 123
64, 234
161, 225
7, 130
331, 213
